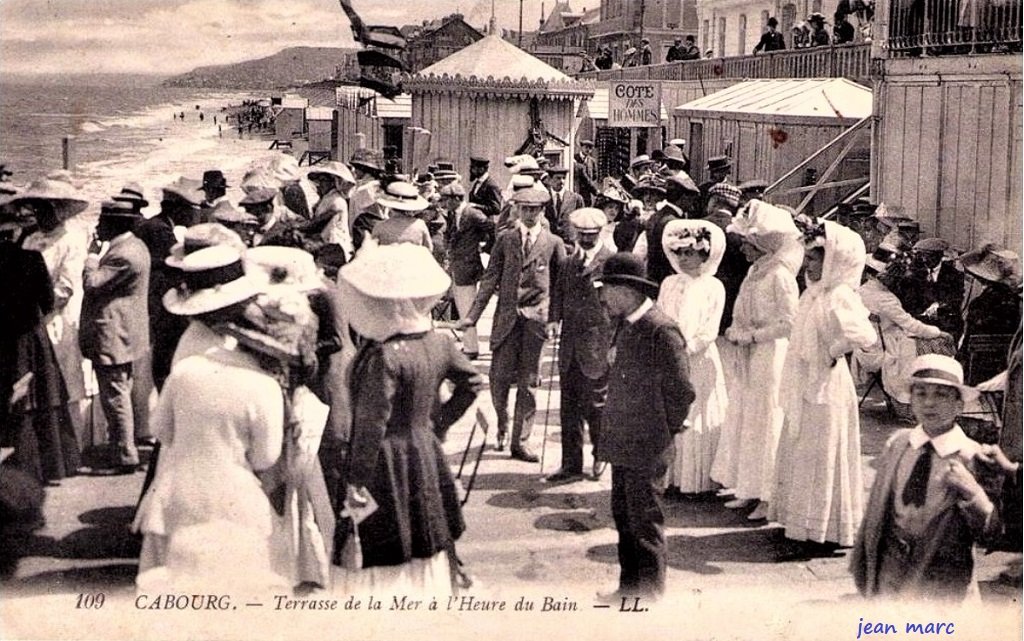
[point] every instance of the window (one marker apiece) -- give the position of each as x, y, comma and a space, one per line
705, 38
720, 44
742, 47
816, 6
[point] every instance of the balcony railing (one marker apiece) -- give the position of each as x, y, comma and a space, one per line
941, 27
842, 61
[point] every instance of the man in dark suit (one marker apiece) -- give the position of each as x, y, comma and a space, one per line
649, 394
771, 40
524, 267
483, 191
585, 173
468, 227
583, 350
563, 202
179, 207
115, 320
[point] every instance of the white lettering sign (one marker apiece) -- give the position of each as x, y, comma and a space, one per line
634, 103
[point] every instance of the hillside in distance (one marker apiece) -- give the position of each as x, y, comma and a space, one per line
286, 68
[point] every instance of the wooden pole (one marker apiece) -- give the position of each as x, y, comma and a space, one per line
67, 152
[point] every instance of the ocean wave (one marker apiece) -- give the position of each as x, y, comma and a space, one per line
90, 127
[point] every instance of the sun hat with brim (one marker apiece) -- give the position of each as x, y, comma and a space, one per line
938, 369
203, 236
332, 168
398, 271
993, 264
880, 258
64, 198
615, 195
681, 180
402, 196
185, 190
531, 196
132, 192
259, 178
212, 278
628, 270
258, 196
287, 267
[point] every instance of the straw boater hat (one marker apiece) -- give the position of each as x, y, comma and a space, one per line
332, 168
520, 163
719, 162
402, 196
522, 181
66, 200
626, 269
642, 160
213, 278
393, 272
286, 267
132, 192
940, 370
993, 264
202, 236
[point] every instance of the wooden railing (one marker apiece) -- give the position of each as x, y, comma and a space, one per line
941, 27
842, 61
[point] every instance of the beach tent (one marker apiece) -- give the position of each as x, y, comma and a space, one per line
366, 118
488, 98
768, 127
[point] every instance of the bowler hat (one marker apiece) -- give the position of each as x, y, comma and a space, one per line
213, 178
628, 270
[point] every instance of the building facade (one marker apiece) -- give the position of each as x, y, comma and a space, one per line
437, 39
622, 23
733, 27
563, 37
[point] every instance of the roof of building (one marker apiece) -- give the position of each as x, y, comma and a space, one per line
493, 63
556, 19
831, 98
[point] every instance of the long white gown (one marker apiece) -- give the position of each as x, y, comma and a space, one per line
764, 313
819, 492
219, 419
696, 304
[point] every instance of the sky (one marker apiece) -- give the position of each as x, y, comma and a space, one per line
174, 36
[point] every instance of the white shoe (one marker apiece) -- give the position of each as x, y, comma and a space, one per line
760, 512
738, 504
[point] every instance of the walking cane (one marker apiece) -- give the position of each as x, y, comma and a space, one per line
547, 410
481, 420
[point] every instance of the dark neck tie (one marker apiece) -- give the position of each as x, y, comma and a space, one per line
527, 246
916, 489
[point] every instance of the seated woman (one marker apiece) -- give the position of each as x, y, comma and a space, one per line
898, 330
995, 312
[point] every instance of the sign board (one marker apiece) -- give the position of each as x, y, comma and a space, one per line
634, 103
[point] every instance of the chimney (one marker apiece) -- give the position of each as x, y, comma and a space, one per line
542, 13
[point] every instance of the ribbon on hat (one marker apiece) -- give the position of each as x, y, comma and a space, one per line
211, 278
699, 239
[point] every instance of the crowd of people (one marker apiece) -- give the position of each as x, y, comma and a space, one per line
708, 340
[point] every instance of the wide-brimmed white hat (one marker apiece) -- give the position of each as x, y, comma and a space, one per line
395, 271
213, 278
402, 196
940, 370
332, 168
288, 267
66, 200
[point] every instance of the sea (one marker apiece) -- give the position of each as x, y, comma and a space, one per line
122, 129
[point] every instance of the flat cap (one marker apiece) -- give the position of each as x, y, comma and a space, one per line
588, 219
531, 196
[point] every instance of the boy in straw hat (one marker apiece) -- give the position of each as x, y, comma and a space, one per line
926, 508
114, 330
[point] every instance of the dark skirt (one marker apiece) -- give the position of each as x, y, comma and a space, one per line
418, 513
39, 426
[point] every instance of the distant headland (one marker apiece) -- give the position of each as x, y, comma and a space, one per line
287, 68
